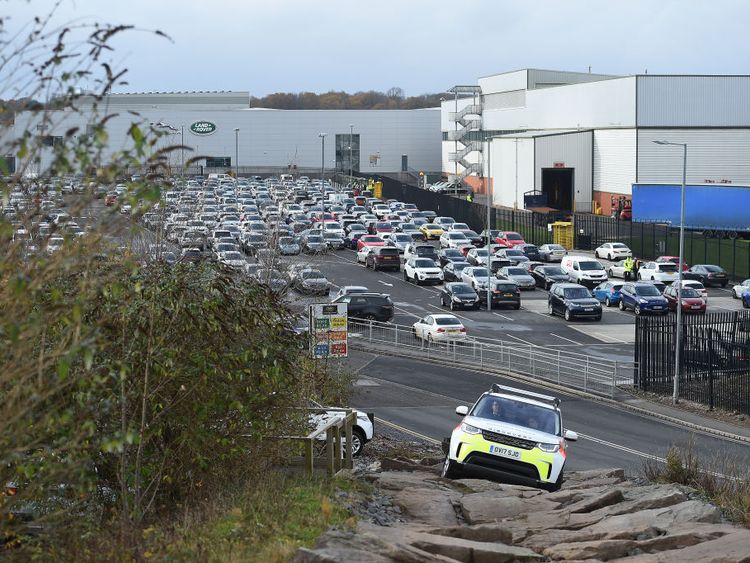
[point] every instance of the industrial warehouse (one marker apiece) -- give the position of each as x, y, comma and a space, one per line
580, 140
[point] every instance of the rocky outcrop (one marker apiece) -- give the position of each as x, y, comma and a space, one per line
598, 516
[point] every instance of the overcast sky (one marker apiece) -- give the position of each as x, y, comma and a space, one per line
419, 45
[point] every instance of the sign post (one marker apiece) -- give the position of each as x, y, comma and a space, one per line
328, 330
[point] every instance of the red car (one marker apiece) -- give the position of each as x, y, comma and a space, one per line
465, 248
673, 259
692, 302
369, 240
509, 238
382, 228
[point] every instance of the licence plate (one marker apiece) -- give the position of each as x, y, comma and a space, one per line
452, 330
657, 307
508, 295
588, 309
504, 452
695, 306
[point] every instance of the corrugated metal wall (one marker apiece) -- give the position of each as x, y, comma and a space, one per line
614, 160
573, 149
537, 78
713, 155
693, 101
508, 188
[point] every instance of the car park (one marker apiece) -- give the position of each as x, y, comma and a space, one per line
519, 275
459, 296
546, 276
422, 270
573, 301
613, 251
708, 275
368, 306
552, 252
512, 435
692, 302
642, 298
439, 328
608, 292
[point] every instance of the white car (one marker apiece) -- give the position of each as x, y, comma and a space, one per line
362, 254
439, 328
453, 239
478, 256
739, 289
613, 251
658, 271
459, 227
362, 431
697, 286
617, 270
422, 270
476, 277
232, 259
398, 240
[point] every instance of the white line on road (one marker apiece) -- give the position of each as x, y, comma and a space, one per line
568, 339
385, 283
522, 340
622, 448
503, 316
406, 430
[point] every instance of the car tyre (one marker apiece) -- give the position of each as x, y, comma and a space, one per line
358, 441
554, 487
607, 302
452, 306
637, 311
622, 305
550, 310
369, 317
598, 318
567, 315
609, 257
406, 278
450, 470
517, 306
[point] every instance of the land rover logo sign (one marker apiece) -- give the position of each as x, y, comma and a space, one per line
202, 128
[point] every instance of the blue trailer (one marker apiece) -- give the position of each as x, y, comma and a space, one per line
723, 209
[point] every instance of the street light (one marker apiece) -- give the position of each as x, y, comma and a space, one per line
322, 156
237, 153
351, 163
489, 241
678, 331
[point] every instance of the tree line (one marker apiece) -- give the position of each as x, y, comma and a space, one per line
394, 98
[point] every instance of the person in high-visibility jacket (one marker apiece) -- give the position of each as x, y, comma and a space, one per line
470, 197
628, 264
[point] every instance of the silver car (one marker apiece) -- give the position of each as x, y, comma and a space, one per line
520, 275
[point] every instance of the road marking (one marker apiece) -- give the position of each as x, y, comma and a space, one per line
385, 283
408, 431
623, 448
521, 340
451, 313
503, 316
568, 339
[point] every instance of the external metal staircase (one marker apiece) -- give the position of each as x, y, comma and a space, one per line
466, 120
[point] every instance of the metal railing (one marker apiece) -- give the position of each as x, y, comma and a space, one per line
581, 372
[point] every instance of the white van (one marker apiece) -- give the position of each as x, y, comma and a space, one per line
584, 270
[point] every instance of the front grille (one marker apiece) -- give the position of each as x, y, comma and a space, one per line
510, 466
506, 440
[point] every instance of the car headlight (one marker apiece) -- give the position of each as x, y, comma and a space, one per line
642, 301
469, 429
455, 298
549, 448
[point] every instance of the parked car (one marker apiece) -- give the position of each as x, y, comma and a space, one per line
504, 293
673, 259
617, 270
613, 251
476, 277
450, 255
515, 255
453, 239
608, 292
691, 300
422, 270
658, 271
509, 238
459, 296
584, 270
314, 244
478, 256
439, 328
288, 246
697, 286
740, 288
431, 231
382, 258
708, 274
642, 298
421, 250
452, 270
546, 276
519, 275
368, 306
351, 290
552, 252
530, 250
362, 430
311, 281
370, 240
573, 301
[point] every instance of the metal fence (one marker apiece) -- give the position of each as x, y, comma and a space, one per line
715, 358
647, 240
576, 371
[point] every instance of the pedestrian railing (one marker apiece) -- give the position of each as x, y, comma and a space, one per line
582, 372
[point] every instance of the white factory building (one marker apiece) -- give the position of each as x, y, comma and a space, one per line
222, 128
581, 138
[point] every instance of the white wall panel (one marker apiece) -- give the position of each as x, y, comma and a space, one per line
512, 170
515, 80
694, 101
614, 160
712, 154
574, 150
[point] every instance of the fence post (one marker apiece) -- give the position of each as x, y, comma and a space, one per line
710, 376
395, 335
330, 452
337, 459
370, 323
586, 375
614, 380
481, 354
558, 367
309, 456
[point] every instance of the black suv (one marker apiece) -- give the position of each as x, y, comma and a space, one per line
572, 300
504, 293
427, 251
370, 306
459, 295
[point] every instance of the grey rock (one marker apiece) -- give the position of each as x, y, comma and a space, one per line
602, 550
492, 506
480, 532
596, 501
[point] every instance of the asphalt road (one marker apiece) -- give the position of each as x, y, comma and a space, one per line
422, 397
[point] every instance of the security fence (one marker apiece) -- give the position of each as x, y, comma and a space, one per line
576, 371
647, 240
715, 358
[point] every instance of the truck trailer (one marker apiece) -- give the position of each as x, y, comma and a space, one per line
716, 209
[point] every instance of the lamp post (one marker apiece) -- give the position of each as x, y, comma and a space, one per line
351, 162
236, 152
322, 156
678, 330
489, 241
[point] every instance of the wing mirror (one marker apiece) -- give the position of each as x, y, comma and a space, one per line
463, 410
569, 435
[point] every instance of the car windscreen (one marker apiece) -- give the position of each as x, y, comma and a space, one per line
646, 290
462, 288
513, 236
459, 266
314, 238
401, 238
507, 287
523, 414
555, 247
667, 267
286, 240
689, 292
332, 236
233, 255
713, 269
312, 275
553, 271
479, 272
513, 252
447, 321
576, 293
619, 245
456, 236
424, 251
517, 272
424, 263
483, 252
590, 265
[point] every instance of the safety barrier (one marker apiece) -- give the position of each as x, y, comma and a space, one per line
591, 374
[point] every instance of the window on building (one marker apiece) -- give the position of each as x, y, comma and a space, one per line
51, 141
347, 158
219, 162
7, 165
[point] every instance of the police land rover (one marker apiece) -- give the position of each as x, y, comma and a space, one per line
511, 434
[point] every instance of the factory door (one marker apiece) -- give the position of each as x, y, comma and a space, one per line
557, 185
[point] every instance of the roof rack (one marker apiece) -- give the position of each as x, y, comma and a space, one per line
497, 388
